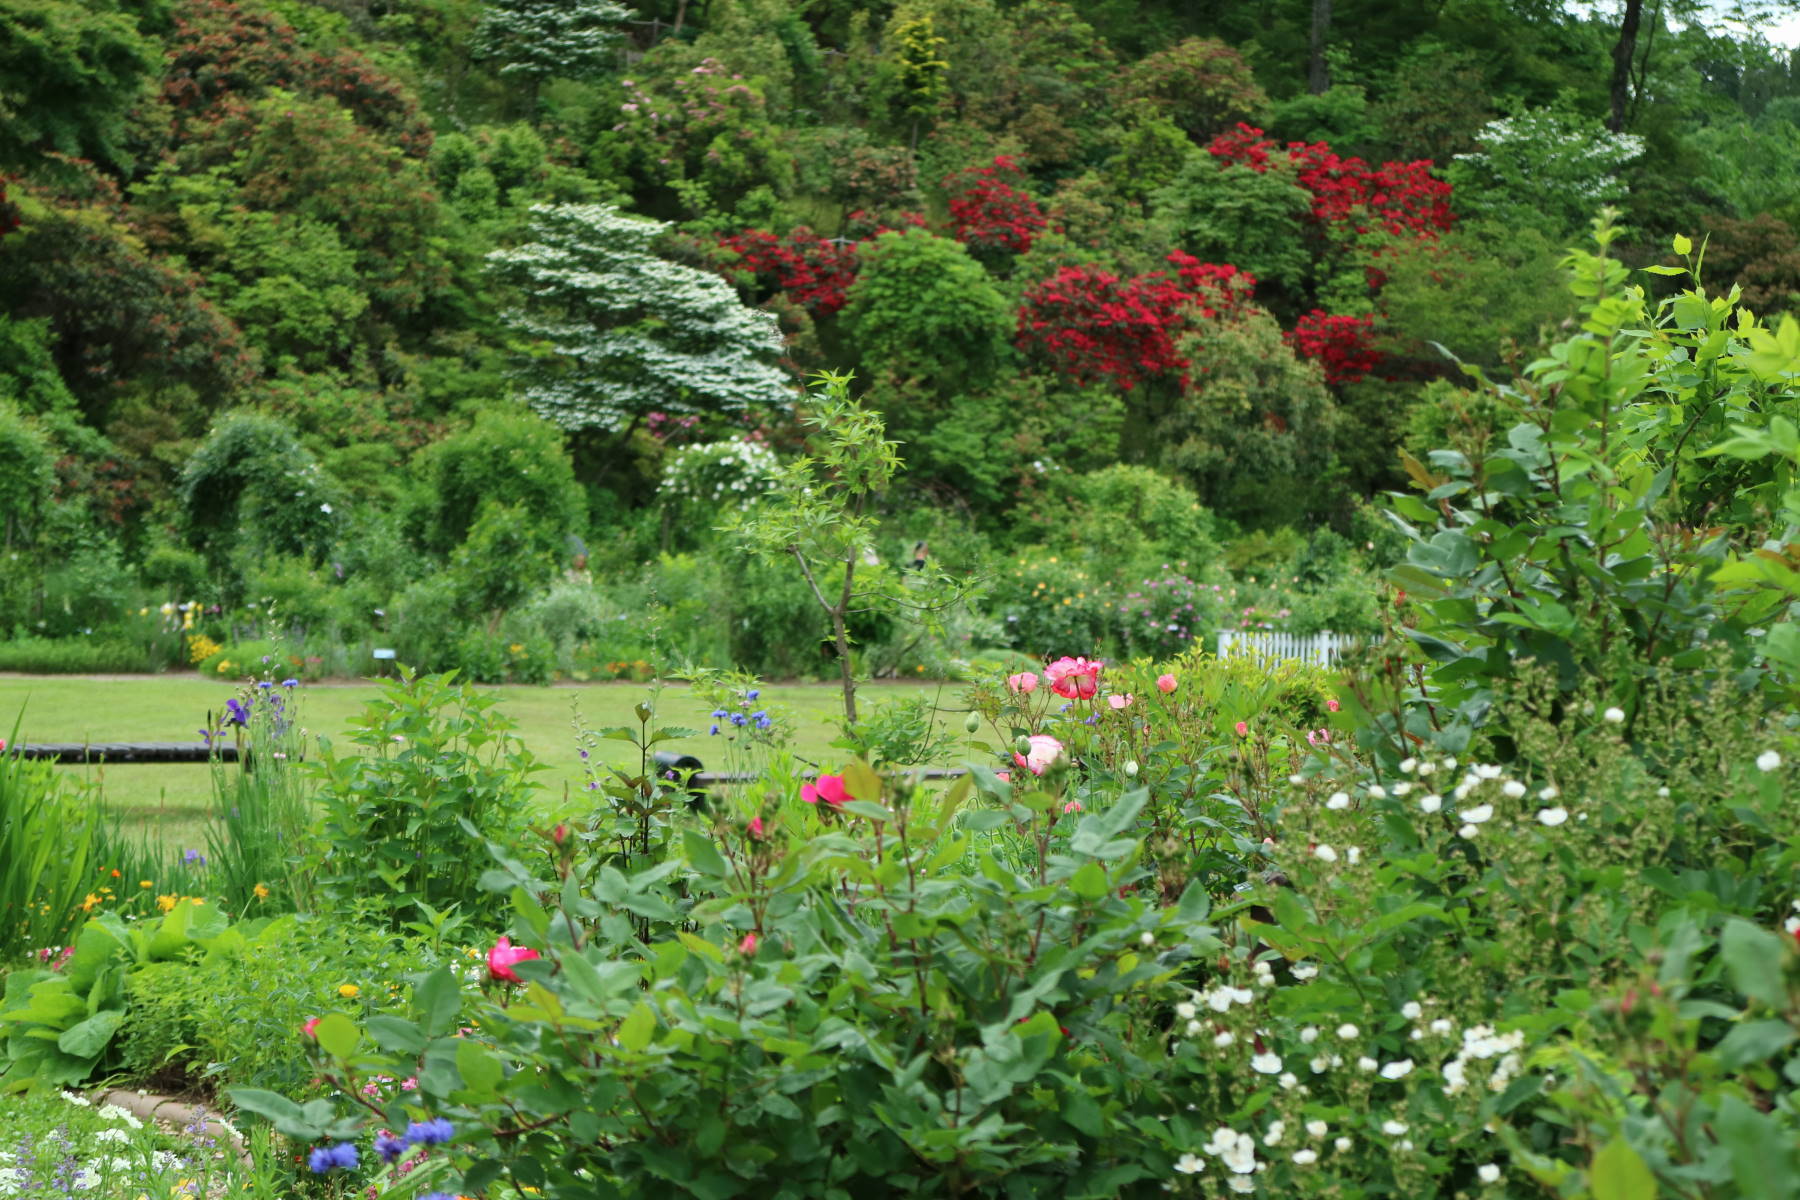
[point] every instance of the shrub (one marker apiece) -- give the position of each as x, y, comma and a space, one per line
404, 822
47, 831
72, 656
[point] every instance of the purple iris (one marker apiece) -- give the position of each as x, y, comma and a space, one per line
236, 713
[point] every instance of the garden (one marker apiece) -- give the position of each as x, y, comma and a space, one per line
734, 569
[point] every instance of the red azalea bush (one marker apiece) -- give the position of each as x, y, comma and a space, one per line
1340, 344
989, 209
1099, 325
814, 271
1402, 198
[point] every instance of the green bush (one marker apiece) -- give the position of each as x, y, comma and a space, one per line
73, 656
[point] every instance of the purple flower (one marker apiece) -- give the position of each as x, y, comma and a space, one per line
326, 1157
389, 1147
290, 683
236, 713
193, 858
429, 1133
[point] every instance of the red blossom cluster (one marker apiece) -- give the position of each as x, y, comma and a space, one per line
989, 211
1339, 343
815, 271
1402, 198
1099, 325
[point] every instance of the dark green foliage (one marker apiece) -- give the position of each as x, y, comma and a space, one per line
1228, 213
924, 309
70, 70
507, 458
252, 490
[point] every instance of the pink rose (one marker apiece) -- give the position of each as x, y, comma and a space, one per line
748, 945
1118, 701
756, 828
1318, 737
502, 957
1024, 683
829, 788
1243, 729
1165, 684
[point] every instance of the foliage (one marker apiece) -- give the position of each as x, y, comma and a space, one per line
1237, 213
1545, 169
401, 821
47, 830
252, 489
1203, 85
625, 332
535, 39
504, 457
27, 477
72, 71
923, 307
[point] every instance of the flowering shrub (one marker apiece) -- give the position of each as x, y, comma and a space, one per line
1401, 198
1095, 325
990, 210
1341, 345
732, 472
814, 271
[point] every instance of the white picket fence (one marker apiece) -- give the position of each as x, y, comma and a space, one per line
1320, 649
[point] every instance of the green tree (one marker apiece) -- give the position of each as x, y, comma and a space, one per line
922, 307
621, 331
252, 490
69, 74
533, 40
1227, 212
1202, 84
507, 458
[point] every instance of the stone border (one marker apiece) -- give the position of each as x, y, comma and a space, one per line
175, 1114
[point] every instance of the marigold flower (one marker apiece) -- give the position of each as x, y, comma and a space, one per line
260, 891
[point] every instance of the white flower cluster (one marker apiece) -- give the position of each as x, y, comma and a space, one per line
736, 471
1480, 1042
1237, 1153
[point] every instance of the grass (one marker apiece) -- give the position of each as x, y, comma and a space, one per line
170, 801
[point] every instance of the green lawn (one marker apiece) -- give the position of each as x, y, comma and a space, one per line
173, 799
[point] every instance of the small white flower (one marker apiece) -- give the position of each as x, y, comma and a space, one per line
1241, 1183
1792, 925
1393, 1128
1304, 971
1296, 780
1305, 1158
1288, 1081
1512, 789
1397, 1070
1266, 1064
1365, 1063
1478, 814
1347, 1031
1488, 1172
1324, 853
1411, 1010
1343, 1143
1146, 938
1338, 800
1548, 794
1320, 1065
1190, 1164
1409, 765
1553, 816
1427, 768
112, 1135
1613, 715
1195, 1029
1468, 831
1317, 1128
1431, 803
1353, 855
1442, 1025
1273, 1136
1767, 761
1310, 1034
1485, 771
1224, 1038
1376, 791
1186, 1010
1401, 788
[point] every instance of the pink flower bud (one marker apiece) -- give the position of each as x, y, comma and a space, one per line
1165, 683
748, 945
1243, 729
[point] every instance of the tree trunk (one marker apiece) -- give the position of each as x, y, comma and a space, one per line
1318, 79
1623, 52
841, 632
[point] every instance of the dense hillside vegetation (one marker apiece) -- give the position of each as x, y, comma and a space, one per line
352, 322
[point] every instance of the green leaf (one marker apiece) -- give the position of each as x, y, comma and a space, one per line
1754, 1042
338, 1035
1753, 959
90, 1037
395, 1035
1618, 1173
862, 781
1089, 882
478, 1065
702, 855
436, 1002
1683, 246
1761, 1152
638, 1026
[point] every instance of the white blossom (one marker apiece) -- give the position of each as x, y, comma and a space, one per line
1398, 1069
1488, 1173
1338, 800
1767, 761
1553, 816
1431, 803
1613, 715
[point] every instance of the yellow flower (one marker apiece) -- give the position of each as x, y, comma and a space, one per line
91, 901
261, 892
224, 665
166, 903
145, 883
516, 648
349, 991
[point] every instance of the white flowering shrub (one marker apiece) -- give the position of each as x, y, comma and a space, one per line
622, 332
1545, 168
731, 473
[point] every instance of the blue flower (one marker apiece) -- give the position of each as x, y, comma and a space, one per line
290, 683
326, 1157
753, 693
235, 713
389, 1147
720, 714
430, 1133
715, 729
740, 720
193, 858
437, 1196
265, 685
762, 720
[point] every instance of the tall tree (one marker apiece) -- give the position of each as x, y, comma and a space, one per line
69, 72
532, 40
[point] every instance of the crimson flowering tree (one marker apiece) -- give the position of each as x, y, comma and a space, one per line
1097, 325
1340, 344
989, 210
815, 272
1350, 198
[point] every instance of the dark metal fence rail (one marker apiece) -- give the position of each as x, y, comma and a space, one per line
128, 752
